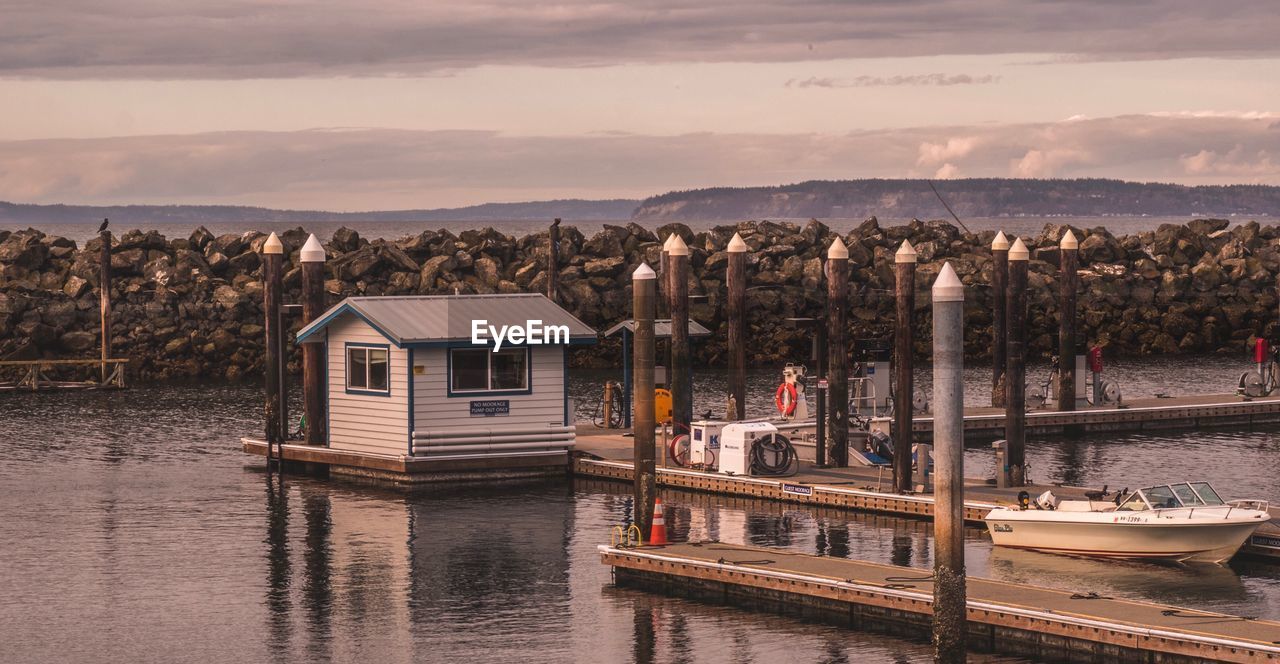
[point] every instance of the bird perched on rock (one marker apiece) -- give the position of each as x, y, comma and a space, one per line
103, 227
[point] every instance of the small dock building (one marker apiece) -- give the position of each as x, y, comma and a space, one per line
445, 383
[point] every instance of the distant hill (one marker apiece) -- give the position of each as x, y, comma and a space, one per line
979, 197
140, 215
824, 199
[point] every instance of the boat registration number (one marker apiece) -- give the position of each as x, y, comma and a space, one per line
1130, 519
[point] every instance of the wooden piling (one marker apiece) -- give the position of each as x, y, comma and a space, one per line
644, 304
678, 302
272, 264
999, 322
904, 271
949, 625
837, 350
736, 312
104, 300
553, 261
313, 379
1016, 369
1068, 250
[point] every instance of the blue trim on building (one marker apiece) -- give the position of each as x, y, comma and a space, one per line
328, 380
410, 409
448, 375
344, 308
346, 358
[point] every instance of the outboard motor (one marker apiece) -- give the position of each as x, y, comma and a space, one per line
880, 444
1047, 501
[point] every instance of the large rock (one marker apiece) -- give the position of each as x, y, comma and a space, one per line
605, 267
78, 342
23, 250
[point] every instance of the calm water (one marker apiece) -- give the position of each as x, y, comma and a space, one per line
1026, 226
133, 530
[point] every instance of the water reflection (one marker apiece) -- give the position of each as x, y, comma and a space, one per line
279, 571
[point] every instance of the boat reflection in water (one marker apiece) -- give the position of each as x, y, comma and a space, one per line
1162, 583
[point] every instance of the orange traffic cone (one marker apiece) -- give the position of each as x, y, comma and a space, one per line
658, 533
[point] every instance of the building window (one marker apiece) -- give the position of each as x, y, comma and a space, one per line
368, 369
481, 370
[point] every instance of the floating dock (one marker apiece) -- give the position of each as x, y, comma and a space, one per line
1003, 617
1183, 412
859, 488
404, 469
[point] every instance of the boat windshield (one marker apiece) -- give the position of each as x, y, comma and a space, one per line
1135, 503
1186, 494
1161, 496
1207, 494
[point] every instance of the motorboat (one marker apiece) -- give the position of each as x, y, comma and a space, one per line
1184, 522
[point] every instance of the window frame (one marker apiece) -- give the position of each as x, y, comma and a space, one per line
346, 378
489, 354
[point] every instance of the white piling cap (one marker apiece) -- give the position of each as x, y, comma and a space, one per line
838, 250
1069, 240
313, 251
666, 245
1018, 252
737, 245
678, 247
947, 287
906, 253
273, 245
1001, 243
643, 272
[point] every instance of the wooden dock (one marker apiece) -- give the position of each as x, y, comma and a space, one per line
34, 379
859, 488
1003, 617
1183, 412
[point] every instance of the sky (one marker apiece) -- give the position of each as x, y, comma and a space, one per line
394, 104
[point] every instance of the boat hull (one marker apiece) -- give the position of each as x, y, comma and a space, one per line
1199, 541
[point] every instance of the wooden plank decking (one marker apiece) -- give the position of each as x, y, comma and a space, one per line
1004, 617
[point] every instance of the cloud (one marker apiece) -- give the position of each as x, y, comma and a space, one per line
1236, 162
361, 169
882, 81
954, 148
229, 39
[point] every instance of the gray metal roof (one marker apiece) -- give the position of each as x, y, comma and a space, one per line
661, 328
411, 319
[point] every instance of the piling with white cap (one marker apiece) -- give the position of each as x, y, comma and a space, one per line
678, 304
735, 312
1069, 261
999, 324
312, 258
643, 306
1016, 368
273, 359
837, 270
948, 462
904, 292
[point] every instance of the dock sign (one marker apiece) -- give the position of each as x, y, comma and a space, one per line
797, 489
490, 408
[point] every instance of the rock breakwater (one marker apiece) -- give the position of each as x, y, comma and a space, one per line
192, 306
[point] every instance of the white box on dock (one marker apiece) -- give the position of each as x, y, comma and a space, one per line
736, 441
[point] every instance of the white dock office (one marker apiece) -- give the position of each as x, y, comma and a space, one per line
449, 377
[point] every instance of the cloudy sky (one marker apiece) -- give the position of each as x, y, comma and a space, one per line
384, 104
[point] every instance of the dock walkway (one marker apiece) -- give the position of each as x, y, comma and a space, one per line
1179, 412
1003, 617
860, 488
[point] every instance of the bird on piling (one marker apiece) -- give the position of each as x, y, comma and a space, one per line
103, 227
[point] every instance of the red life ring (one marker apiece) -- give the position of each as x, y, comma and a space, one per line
786, 399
